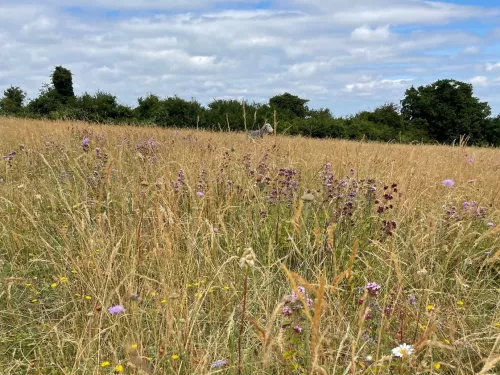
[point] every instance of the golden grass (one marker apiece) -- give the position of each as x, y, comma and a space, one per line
82, 231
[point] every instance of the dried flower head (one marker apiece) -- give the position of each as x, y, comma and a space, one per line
247, 261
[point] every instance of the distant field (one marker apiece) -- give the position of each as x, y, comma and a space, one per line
359, 248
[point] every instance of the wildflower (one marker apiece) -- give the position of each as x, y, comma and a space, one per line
174, 357
430, 307
219, 363
200, 193
226, 287
491, 224
368, 358
27, 285
73, 272
373, 288
85, 144
34, 300
78, 295
119, 368
153, 294
105, 364
53, 285
63, 279
403, 350
247, 261
460, 303
412, 300
309, 302
135, 297
448, 183
297, 329
286, 310
133, 346
446, 341
437, 366
163, 300
368, 316
197, 294
116, 309
196, 284
216, 230
301, 289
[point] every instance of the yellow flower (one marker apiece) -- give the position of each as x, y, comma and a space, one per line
133, 346
423, 327
497, 325
105, 364
27, 285
78, 295
189, 285
226, 287
74, 207
175, 356
446, 341
153, 294
34, 300
118, 368
73, 271
163, 300
437, 366
196, 284
150, 358
63, 279
98, 251
88, 298
430, 307
197, 294
460, 303
53, 285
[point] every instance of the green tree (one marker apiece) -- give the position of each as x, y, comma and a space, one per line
289, 106
62, 81
448, 109
12, 101
47, 104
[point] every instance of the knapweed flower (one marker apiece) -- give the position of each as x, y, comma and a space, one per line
105, 364
373, 288
448, 183
200, 194
85, 144
412, 300
403, 350
119, 368
116, 309
297, 329
219, 363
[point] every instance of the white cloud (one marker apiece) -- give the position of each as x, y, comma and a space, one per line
344, 54
367, 34
480, 81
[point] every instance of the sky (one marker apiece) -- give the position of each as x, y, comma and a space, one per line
346, 55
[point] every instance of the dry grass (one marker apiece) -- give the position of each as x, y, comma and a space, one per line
82, 231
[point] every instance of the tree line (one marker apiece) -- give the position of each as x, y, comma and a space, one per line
439, 112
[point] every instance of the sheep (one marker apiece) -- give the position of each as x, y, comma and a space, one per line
266, 129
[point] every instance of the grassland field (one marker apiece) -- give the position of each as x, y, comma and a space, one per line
166, 251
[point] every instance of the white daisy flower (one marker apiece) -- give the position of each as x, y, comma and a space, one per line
403, 350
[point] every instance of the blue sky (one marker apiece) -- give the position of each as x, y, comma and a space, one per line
347, 55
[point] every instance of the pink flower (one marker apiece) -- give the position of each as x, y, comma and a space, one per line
448, 183
116, 309
200, 193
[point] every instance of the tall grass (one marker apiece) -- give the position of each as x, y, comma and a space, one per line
156, 221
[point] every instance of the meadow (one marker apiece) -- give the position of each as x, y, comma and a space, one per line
163, 251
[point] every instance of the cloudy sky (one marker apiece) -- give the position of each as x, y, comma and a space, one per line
347, 55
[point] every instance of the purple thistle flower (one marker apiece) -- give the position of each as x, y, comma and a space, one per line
219, 363
116, 309
301, 289
448, 183
412, 300
297, 329
200, 193
373, 288
216, 230
470, 160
